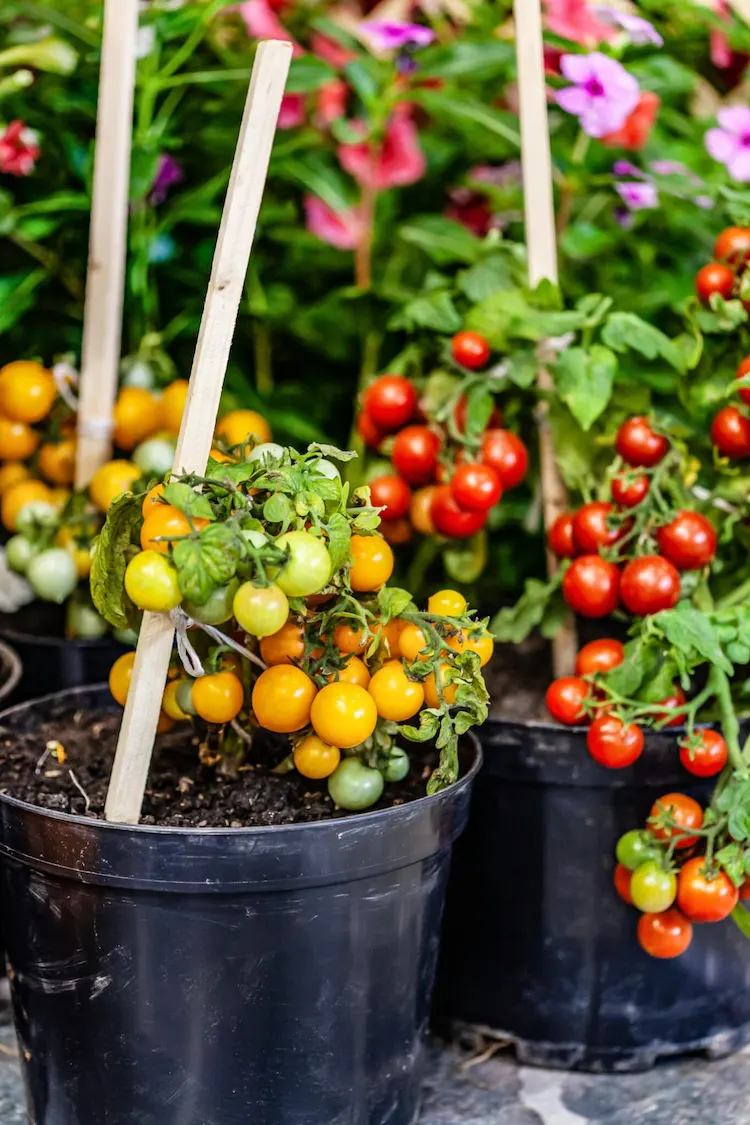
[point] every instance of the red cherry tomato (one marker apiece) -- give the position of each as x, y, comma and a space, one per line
730, 433
460, 415
686, 814
708, 754
650, 584
368, 431
639, 445
476, 487
613, 744
390, 402
705, 894
591, 528
565, 699
507, 455
470, 350
591, 586
733, 246
629, 490
664, 935
742, 370
560, 537
415, 454
392, 494
676, 699
599, 656
714, 278
689, 541
622, 883
452, 521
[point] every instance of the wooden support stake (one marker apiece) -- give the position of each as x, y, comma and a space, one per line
102, 314
541, 246
225, 288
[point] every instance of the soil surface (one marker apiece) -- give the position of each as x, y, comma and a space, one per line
517, 679
181, 792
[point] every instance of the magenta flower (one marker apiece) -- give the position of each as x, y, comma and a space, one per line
19, 149
382, 35
640, 32
262, 23
168, 173
342, 229
730, 143
603, 94
292, 112
330, 51
638, 196
398, 162
574, 20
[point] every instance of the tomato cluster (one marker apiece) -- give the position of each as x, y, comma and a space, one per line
446, 478
724, 275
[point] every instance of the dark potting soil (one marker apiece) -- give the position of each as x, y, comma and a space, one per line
181, 792
517, 678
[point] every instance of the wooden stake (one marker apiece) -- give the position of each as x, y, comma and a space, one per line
225, 287
741, 8
102, 315
541, 245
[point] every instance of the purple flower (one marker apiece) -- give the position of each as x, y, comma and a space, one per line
386, 35
168, 173
639, 31
638, 196
625, 168
603, 93
730, 144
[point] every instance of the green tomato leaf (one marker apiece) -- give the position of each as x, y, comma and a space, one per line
427, 729
514, 623
339, 537
691, 632
523, 368
625, 330
207, 562
278, 508
433, 310
443, 240
486, 277
465, 559
392, 602
192, 503
584, 381
110, 561
741, 919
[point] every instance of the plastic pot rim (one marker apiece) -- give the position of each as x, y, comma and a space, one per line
10, 660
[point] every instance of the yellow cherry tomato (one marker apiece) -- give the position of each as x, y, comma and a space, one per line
343, 715
137, 415
218, 698
447, 603
59, 497
482, 645
355, 671
81, 552
285, 646
169, 704
58, 462
27, 391
17, 440
372, 562
260, 610
151, 582
391, 637
165, 723
222, 458
120, 675
110, 480
351, 637
154, 499
17, 496
397, 698
282, 698
421, 510
314, 758
11, 473
162, 524
173, 402
411, 642
430, 688
243, 426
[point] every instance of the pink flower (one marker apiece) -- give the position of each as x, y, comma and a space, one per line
292, 112
471, 210
730, 143
382, 35
342, 229
572, 19
168, 173
603, 93
330, 51
330, 101
639, 31
721, 51
19, 150
638, 196
399, 161
262, 23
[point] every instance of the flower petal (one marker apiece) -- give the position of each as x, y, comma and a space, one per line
573, 99
739, 166
735, 119
721, 145
576, 68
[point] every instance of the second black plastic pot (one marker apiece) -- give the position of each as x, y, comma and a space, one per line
219, 977
538, 947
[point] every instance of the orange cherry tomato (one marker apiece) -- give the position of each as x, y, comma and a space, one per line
684, 811
372, 562
355, 671
110, 480
431, 697
343, 715
218, 698
137, 415
154, 499
397, 698
172, 405
483, 645
391, 637
351, 637
17, 496
314, 758
705, 894
411, 642
285, 646
240, 427
27, 391
120, 675
58, 462
282, 698
17, 440
421, 510
163, 521
12, 472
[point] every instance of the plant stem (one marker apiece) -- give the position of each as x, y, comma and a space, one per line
363, 253
729, 723
263, 357
51, 262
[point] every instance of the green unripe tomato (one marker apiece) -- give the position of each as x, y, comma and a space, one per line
52, 575
652, 889
327, 469
184, 696
397, 765
36, 516
83, 621
635, 847
354, 786
137, 373
309, 567
260, 610
126, 636
19, 552
266, 451
154, 457
217, 609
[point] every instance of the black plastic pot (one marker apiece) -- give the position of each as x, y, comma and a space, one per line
11, 671
52, 662
219, 977
536, 944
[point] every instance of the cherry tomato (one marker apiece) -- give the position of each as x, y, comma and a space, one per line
390, 402
470, 350
476, 487
599, 656
420, 513
260, 610
243, 427
431, 696
639, 445
308, 569
504, 451
19, 551
282, 699
110, 480
355, 671
120, 675
17, 496
343, 714
57, 462
629, 489
415, 454
451, 520
172, 405
447, 603
591, 529
372, 562
170, 704
650, 584
622, 883
664, 935
670, 704
461, 415
705, 894
613, 744
315, 758
714, 278
392, 494
12, 472
52, 575
412, 641
151, 582
354, 786
483, 645
137, 415
686, 814
153, 499
560, 537
17, 440
27, 391
565, 700
705, 755
730, 433
733, 246
591, 586
397, 765
742, 370
349, 637
653, 889
285, 646
689, 541
371, 435
390, 637
396, 532
217, 608
218, 698
397, 698
163, 523
635, 847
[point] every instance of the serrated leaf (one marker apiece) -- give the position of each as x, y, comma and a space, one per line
278, 508
486, 277
584, 381
339, 538
523, 368
427, 729
111, 559
186, 500
465, 559
691, 631
393, 601
207, 562
433, 310
513, 624
332, 451
625, 330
